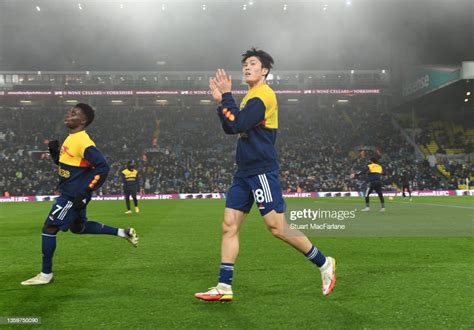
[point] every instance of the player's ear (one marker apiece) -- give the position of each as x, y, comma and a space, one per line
264, 71
84, 121
83, 118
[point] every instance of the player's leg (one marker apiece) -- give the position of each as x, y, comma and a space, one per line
403, 191
279, 228
80, 225
409, 192
369, 190
53, 223
230, 245
238, 203
127, 202
233, 219
48, 246
135, 201
378, 189
268, 197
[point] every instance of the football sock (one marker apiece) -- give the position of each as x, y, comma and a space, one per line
48, 276
48, 245
382, 200
92, 227
226, 273
121, 233
127, 202
316, 257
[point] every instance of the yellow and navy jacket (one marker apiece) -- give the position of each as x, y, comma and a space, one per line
257, 123
374, 172
82, 167
130, 179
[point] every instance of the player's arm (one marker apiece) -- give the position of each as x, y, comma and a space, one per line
217, 96
239, 121
361, 172
101, 168
234, 120
225, 126
53, 147
137, 181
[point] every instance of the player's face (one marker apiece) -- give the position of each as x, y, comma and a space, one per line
75, 118
253, 71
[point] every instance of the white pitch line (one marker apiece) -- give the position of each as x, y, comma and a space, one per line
443, 205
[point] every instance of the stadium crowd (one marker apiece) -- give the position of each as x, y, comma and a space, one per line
185, 150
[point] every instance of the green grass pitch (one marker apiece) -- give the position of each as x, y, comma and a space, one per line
103, 282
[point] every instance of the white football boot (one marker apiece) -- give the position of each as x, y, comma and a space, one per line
132, 236
221, 292
39, 279
328, 275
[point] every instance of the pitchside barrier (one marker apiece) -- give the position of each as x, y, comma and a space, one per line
415, 193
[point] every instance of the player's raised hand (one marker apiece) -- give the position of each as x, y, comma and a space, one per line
216, 93
223, 81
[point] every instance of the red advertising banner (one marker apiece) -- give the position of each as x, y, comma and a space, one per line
180, 92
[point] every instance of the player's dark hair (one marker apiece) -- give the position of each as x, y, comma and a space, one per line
374, 160
264, 57
87, 111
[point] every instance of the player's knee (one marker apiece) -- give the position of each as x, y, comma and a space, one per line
229, 229
77, 228
50, 230
277, 232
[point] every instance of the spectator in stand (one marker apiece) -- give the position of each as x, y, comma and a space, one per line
182, 151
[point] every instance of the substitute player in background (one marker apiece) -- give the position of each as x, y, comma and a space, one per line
131, 185
374, 173
82, 169
406, 178
256, 179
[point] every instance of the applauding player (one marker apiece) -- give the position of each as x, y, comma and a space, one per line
256, 179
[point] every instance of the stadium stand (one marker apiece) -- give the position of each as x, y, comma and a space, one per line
183, 149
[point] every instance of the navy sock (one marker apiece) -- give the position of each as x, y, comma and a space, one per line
92, 227
48, 245
226, 273
316, 256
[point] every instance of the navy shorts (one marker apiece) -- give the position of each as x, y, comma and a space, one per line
63, 214
263, 189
